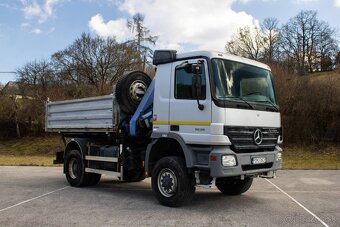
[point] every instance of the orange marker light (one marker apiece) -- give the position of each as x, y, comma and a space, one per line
213, 158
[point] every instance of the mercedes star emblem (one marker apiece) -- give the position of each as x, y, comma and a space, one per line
258, 136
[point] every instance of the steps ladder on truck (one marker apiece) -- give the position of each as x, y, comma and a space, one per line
107, 160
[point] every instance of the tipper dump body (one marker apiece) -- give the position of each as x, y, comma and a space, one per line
95, 114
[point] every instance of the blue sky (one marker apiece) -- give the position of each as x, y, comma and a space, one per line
35, 29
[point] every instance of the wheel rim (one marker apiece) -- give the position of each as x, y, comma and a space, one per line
167, 182
73, 168
137, 90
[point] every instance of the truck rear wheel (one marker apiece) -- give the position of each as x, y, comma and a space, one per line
171, 183
232, 186
75, 171
130, 90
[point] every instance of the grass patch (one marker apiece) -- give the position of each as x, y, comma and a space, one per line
23, 160
29, 151
31, 146
310, 157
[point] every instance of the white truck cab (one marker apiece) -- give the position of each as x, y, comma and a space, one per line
240, 116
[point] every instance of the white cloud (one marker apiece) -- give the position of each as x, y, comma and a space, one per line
303, 1
32, 10
113, 28
36, 31
337, 3
42, 11
246, 1
194, 24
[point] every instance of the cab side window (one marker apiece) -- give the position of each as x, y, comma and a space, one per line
183, 84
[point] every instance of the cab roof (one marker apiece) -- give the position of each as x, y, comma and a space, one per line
168, 56
221, 55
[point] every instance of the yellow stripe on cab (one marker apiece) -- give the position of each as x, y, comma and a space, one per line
205, 123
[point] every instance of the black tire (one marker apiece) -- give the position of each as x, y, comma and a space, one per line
130, 90
232, 186
171, 183
75, 171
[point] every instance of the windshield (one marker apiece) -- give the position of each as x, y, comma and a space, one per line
238, 81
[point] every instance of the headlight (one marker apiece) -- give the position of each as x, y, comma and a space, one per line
278, 156
228, 160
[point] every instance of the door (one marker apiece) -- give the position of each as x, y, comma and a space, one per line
186, 119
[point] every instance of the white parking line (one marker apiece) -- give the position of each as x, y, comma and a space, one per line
29, 200
310, 212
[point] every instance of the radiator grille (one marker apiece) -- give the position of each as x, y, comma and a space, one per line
242, 139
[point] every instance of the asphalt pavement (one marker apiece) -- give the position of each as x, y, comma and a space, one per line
40, 196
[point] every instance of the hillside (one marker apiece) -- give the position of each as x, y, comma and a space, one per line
332, 77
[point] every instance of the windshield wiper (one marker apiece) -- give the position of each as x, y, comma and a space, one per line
251, 107
239, 97
272, 104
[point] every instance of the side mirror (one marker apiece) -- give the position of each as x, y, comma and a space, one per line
196, 69
190, 68
197, 85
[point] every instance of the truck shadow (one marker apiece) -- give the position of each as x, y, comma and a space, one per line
216, 201
140, 194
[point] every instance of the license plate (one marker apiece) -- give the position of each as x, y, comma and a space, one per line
258, 160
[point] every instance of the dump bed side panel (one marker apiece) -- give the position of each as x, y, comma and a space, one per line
95, 114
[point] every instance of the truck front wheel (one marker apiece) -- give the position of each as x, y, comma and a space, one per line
232, 186
75, 171
171, 183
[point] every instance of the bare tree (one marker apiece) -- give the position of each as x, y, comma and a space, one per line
337, 60
271, 36
257, 43
142, 37
326, 46
34, 78
293, 41
307, 40
247, 42
94, 61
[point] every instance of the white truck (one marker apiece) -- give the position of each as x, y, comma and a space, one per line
207, 119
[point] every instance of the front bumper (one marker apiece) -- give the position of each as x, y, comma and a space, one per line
244, 165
